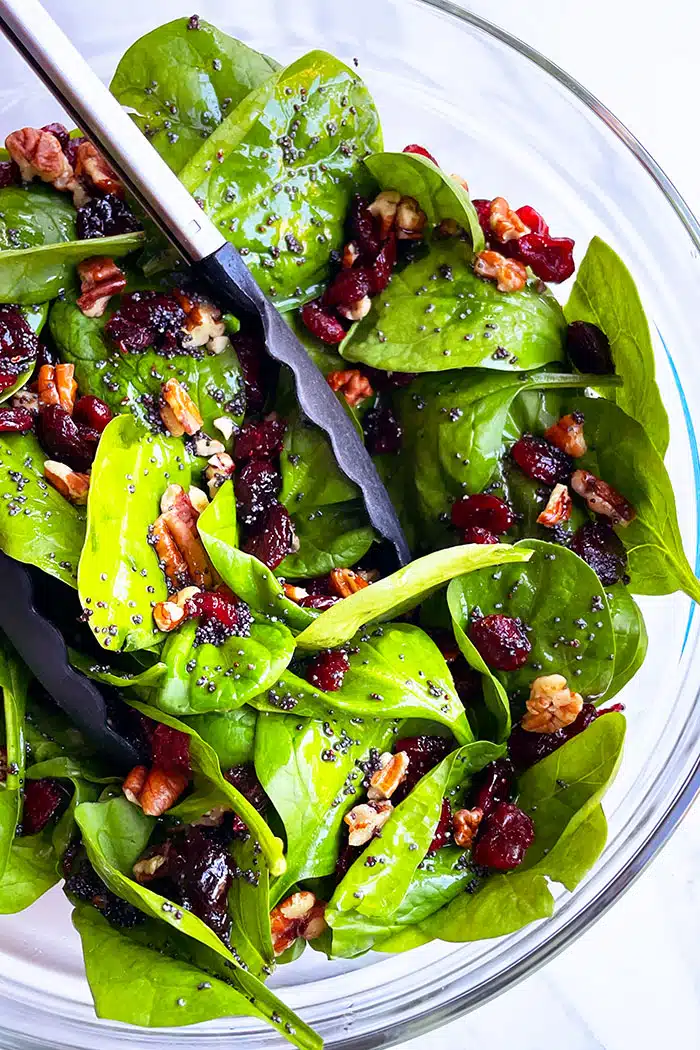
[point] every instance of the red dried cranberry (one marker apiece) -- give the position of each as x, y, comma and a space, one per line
148, 319
65, 440
42, 801
347, 287
588, 348
443, 831
171, 750
540, 460
256, 487
325, 326
483, 211
197, 873
107, 216
482, 511
253, 361
245, 780
228, 611
549, 258
318, 601
501, 641
15, 420
19, 346
526, 748
613, 709
274, 537
507, 834
346, 858
382, 380
92, 412
533, 220
9, 174
71, 149
383, 266
383, 431
601, 548
59, 131
478, 535
421, 151
363, 227
328, 669
46, 356
424, 753
494, 785
260, 440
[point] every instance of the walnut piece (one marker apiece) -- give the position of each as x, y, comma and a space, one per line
38, 154
351, 253
345, 582
198, 499
354, 386
147, 869
410, 220
220, 468
100, 279
73, 486
603, 498
206, 447
506, 223
558, 507
509, 274
357, 310
465, 825
365, 821
226, 427
178, 411
170, 614
567, 434
299, 915
180, 518
155, 791
92, 167
385, 780
203, 323
26, 399
384, 207
551, 705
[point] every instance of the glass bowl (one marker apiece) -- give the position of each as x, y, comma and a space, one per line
513, 124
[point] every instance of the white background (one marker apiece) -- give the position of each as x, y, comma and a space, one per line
633, 981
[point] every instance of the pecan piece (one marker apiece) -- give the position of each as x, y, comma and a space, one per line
410, 220
295, 594
178, 411
26, 399
73, 486
466, 823
385, 780
39, 154
226, 427
180, 517
551, 705
91, 166
354, 385
220, 468
147, 869
384, 207
357, 310
602, 498
170, 614
207, 447
506, 223
351, 253
56, 385
509, 274
365, 821
161, 791
299, 915
345, 582
133, 785
100, 279
170, 558
558, 507
567, 434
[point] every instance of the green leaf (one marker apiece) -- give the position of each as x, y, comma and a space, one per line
179, 84
249, 898
119, 577
34, 215
37, 525
401, 591
605, 294
495, 696
14, 679
630, 637
334, 536
439, 195
30, 872
311, 477
450, 323
231, 734
278, 174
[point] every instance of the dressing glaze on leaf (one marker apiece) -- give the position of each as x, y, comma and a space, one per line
278, 174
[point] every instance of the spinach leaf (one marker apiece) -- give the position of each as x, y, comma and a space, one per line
119, 577
249, 900
630, 637
437, 315
498, 722
33, 215
560, 598
179, 84
279, 173
222, 677
30, 872
439, 195
14, 679
231, 734
334, 536
401, 591
129, 382
605, 293
311, 477
121, 679
35, 316
37, 525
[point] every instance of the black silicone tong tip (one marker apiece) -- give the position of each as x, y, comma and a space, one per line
43, 650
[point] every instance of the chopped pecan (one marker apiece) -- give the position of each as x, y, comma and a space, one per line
447, 228
167, 616
170, 558
384, 782
345, 582
180, 517
219, 469
226, 427
178, 411
316, 922
506, 223
147, 869
384, 208
357, 310
365, 821
73, 486
603, 498
295, 594
26, 399
465, 824
509, 274
567, 434
92, 167
46, 385
56, 386
133, 785
558, 507
551, 705
100, 279
39, 154
206, 447
299, 915
203, 322
410, 220
354, 385
351, 253
161, 790
198, 499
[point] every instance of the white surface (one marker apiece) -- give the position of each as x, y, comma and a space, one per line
633, 981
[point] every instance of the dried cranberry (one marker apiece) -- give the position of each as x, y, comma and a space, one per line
540, 460
478, 535
148, 319
383, 431
19, 346
230, 613
501, 641
328, 669
198, 872
106, 216
382, 380
9, 174
443, 831
549, 258
171, 750
59, 131
482, 511
244, 779
494, 785
346, 858
64, 440
71, 149
256, 486
601, 548
613, 709
42, 801
383, 266
15, 420
421, 151
274, 537
92, 412
533, 220
347, 287
424, 753
363, 227
253, 360
588, 348
324, 325
526, 748
260, 440
318, 601
483, 211
507, 833
46, 356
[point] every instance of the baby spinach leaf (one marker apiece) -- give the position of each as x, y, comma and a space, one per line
334, 536
279, 173
119, 576
630, 637
231, 734
560, 598
14, 679
33, 215
498, 723
179, 84
37, 525
311, 477
121, 679
401, 591
437, 315
605, 294
439, 195
249, 899
129, 382
30, 872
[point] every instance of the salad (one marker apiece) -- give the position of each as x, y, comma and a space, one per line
336, 755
